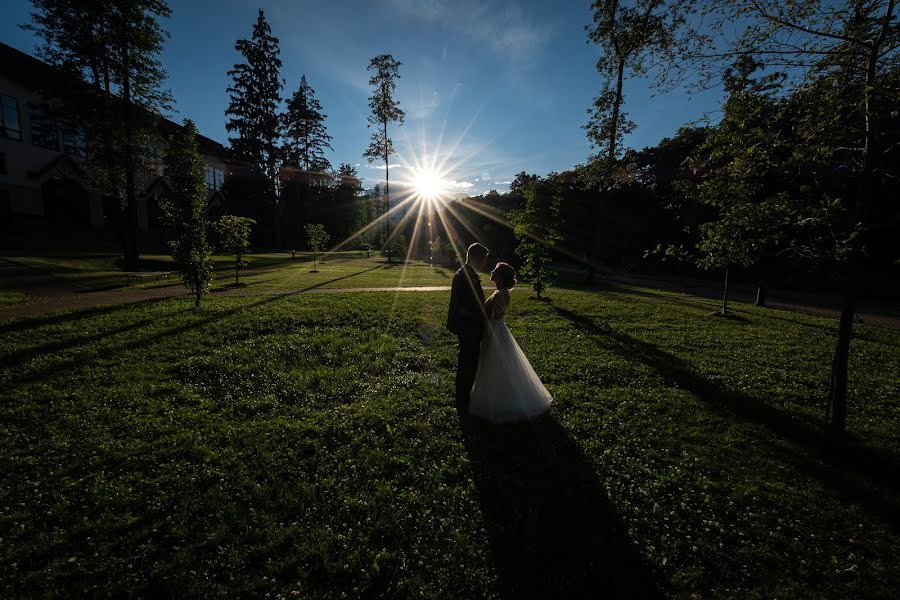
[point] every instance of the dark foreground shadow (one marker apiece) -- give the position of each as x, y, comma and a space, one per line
553, 530
863, 474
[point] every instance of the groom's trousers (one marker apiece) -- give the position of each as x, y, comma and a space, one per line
466, 368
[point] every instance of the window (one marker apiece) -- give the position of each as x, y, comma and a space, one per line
9, 118
44, 132
73, 141
214, 178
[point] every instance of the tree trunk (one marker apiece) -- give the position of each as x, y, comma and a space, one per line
129, 222
761, 294
837, 393
387, 190
725, 294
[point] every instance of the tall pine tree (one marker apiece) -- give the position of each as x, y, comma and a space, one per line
385, 110
253, 111
304, 127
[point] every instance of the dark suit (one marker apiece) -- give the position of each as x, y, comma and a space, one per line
466, 318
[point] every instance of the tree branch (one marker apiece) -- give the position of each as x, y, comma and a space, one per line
835, 36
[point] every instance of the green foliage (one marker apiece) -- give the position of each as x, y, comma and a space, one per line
184, 210
740, 158
255, 96
317, 239
234, 238
537, 231
304, 127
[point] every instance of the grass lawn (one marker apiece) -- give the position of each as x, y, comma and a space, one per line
346, 270
272, 271
8, 297
309, 444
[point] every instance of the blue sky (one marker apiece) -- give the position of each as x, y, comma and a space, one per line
490, 87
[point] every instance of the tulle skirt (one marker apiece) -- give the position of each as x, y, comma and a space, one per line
506, 387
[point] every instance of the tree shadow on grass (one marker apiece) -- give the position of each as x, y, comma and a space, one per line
42, 372
68, 343
865, 475
23, 323
553, 530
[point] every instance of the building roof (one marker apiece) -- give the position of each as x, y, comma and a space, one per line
33, 74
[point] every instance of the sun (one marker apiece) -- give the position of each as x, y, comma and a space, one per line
429, 184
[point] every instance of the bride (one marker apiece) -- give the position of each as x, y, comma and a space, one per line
506, 387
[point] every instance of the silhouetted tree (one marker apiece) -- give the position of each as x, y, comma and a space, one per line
114, 46
305, 133
184, 211
744, 154
629, 34
537, 230
234, 238
317, 238
854, 46
385, 110
252, 112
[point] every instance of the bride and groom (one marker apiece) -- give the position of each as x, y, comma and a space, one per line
494, 379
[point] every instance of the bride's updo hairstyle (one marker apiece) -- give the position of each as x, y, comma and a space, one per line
506, 275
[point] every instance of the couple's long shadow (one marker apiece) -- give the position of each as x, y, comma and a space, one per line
553, 530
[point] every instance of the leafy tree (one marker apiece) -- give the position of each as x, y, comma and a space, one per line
114, 46
854, 46
184, 210
522, 179
234, 238
304, 126
744, 155
631, 35
385, 110
317, 238
536, 227
252, 112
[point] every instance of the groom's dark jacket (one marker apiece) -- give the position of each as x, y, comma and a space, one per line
466, 315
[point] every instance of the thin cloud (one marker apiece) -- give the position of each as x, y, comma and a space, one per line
460, 184
503, 27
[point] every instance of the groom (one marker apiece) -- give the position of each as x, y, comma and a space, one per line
466, 318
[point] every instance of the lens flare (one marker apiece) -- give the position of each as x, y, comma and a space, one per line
429, 184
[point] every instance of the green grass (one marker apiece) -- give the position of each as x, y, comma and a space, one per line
308, 444
269, 271
8, 297
342, 271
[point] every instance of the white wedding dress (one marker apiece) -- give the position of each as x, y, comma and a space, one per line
506, 388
